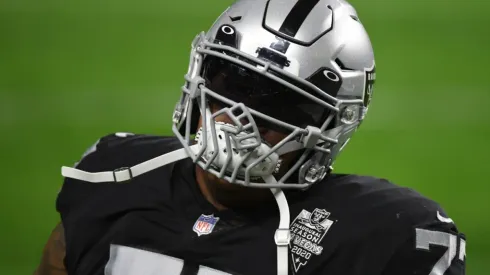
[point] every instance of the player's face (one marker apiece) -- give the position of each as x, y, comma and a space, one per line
232, 195
265, 96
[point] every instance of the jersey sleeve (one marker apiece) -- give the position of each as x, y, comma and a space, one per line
436, 248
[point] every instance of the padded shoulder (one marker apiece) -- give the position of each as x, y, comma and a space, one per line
89, 210
375, 199
124, 150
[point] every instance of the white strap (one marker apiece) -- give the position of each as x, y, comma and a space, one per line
282, 236
125, 173
290, 146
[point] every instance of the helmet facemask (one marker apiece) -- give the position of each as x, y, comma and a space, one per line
254, 93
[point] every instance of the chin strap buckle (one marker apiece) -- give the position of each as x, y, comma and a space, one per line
122, 174
282, 237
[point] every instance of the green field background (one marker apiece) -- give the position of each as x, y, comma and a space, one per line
72, 71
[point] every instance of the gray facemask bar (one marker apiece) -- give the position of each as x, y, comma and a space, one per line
310, 136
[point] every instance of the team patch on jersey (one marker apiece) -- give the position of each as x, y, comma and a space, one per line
205, 224
307, 232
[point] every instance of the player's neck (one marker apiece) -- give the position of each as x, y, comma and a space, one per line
205, 190
224, 195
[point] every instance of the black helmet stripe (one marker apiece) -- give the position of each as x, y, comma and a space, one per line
297, 16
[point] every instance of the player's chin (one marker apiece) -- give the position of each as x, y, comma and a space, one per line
240, 186
223, 183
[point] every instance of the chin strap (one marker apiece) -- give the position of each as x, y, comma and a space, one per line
282, 236
126, 173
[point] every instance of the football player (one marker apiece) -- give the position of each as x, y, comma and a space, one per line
274, 91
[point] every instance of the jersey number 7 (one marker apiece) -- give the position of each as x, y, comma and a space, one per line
126, 260
425, 238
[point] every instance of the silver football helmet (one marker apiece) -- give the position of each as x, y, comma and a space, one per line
305, 68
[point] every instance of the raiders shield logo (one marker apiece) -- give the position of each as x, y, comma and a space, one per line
317, 217
369, 80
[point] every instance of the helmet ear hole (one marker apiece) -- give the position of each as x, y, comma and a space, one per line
196, 114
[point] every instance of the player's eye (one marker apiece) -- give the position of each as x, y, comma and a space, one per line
262, 94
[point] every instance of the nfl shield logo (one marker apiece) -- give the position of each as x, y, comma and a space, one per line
205, 224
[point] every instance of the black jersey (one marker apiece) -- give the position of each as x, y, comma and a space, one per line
160, 223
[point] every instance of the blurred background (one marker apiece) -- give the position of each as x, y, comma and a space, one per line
72, 71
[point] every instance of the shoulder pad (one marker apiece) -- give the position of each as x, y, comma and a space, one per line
373, 197
110, 153
104, 140
124, 150
89, 211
